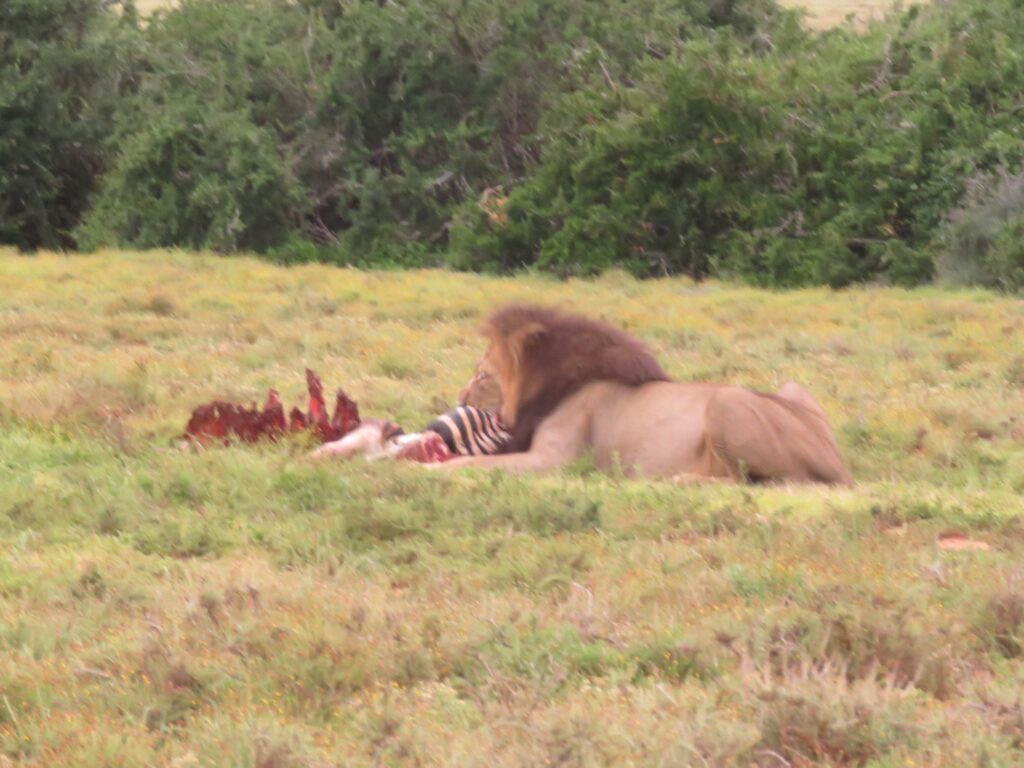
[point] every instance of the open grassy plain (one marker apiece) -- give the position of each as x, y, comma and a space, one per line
821, 14
243, 607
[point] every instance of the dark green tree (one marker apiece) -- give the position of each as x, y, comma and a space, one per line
63, 65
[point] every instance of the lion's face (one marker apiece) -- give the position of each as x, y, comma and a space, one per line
483, 390
498, 380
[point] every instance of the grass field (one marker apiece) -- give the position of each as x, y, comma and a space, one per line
243, 607
820, 13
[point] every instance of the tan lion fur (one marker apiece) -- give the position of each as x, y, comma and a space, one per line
571, 385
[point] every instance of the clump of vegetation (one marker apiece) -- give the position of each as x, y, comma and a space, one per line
828, 159
816, 715
64, 66
984, 241
1001, 620
352, 131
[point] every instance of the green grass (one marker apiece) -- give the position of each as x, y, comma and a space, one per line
244, 607
820, 13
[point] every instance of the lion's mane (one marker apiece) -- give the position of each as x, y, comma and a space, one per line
549, 355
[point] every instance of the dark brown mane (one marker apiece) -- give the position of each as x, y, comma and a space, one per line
560, 352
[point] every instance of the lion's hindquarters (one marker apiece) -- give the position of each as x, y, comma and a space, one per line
772, 438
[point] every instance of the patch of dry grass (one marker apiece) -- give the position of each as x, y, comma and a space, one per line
147, 7
822, 14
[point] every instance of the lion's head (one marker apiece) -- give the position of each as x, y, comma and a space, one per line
483, 391
540, 356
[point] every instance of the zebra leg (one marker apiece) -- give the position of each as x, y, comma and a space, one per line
366, 439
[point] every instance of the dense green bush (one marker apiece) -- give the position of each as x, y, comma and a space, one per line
359, 126
63, 64
984, 241
831, 159
201, 162
705, 137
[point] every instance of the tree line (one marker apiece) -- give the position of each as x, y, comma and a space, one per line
699, 137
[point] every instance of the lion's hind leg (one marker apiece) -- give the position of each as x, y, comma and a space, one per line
767, 438
826, 462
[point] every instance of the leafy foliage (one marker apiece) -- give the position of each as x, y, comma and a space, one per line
702, 137
63, 64
356, 126
830, 159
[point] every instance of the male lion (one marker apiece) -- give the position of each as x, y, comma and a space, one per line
570, 385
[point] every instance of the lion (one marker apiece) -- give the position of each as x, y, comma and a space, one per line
570, 385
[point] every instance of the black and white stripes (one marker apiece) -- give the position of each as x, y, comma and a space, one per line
469, 431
